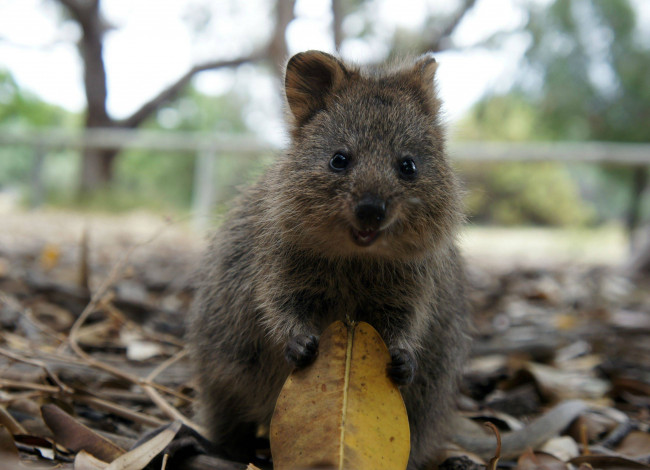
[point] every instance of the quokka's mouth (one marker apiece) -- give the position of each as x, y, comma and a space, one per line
365, 237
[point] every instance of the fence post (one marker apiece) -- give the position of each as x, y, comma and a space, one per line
37, 190
203, 198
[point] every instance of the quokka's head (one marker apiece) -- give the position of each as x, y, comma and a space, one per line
366, 173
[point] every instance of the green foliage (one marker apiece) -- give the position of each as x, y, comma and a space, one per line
595, 81
164, 181
156, 180
593, 73
593, 69
21, 109
517, 193
512, 117
539, 193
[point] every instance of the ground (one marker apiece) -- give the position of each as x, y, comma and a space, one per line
556, 318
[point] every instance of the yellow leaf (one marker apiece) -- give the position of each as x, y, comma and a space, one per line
342, 412
50, 255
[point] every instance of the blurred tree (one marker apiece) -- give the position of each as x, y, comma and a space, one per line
594, 70
98, 165
434, 34
21, 109
142, 177
517, 193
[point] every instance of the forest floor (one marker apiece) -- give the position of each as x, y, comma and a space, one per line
556, 319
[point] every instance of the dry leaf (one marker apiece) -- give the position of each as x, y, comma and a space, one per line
342, 412
85, 461
76, 437
10, 423
562, 447
50, 255
635, 444
609, 462
594, 425
8, 450
564, 385
469, 435
139, 457
530, 460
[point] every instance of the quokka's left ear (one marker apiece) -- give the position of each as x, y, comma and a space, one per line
310, 78
426, 66
422, 75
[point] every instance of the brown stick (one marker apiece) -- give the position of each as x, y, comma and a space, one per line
118, 410
169, 410
62, 387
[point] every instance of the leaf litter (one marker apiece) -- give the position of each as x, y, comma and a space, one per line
93, 372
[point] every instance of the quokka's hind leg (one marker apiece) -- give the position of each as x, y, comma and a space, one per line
232, 436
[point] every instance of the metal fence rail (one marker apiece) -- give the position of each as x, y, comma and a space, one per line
206, 148
590, 152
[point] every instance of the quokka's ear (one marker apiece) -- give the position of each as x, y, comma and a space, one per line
310, 77
423, 73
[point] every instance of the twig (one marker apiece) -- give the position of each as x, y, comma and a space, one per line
8, 421
100, 296
165, 364
62, 387
5, 383
28, 314
166, 408
119, 410
160, 337
494, 461
584, 439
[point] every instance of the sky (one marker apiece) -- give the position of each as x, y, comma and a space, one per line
152, 44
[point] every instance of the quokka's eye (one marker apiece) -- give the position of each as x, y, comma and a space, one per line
339, 161
407, 168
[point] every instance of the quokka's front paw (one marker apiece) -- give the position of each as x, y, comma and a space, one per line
402, 366
301, 350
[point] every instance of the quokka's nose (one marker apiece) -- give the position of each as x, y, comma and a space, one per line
371, 211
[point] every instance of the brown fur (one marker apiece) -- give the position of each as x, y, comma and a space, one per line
285, 263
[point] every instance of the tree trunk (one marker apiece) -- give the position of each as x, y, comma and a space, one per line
633, 219
278, 51
96, 165
97, 169
337, 23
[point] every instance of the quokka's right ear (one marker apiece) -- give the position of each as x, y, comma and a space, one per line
310, 77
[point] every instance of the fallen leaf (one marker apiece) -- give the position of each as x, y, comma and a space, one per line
469, 435
342, 412
55, 317
593, 424
562, 447
460, 462
8, 450
635, 444
139, 457
10, 423
561, 384
608, 462
530, 460
143, 350
85, 461
76, 437
50, 255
